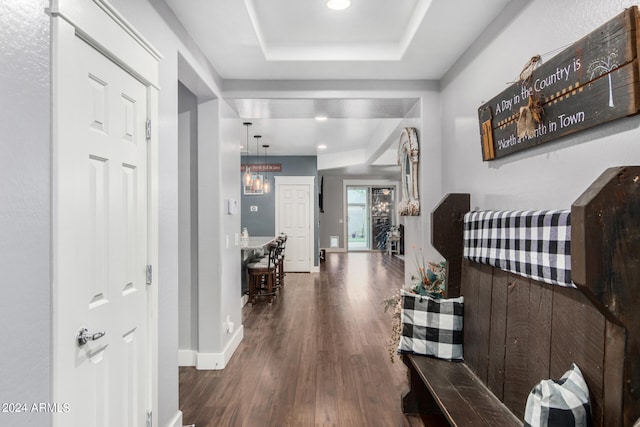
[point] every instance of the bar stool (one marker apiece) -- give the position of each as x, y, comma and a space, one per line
262, 277
282, 243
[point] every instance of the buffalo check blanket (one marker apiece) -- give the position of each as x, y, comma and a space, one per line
534, 244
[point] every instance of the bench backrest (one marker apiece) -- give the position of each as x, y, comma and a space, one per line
518, 331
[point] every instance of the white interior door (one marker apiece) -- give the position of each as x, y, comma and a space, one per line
100, 239
294, 217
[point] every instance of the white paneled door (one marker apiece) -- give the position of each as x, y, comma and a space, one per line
294, 209
100, 240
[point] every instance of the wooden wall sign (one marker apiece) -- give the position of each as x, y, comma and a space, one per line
262, 167
593, 81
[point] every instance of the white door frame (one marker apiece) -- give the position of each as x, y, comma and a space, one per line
300, 180
364, 183
104, 28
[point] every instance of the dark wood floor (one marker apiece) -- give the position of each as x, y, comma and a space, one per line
317, 356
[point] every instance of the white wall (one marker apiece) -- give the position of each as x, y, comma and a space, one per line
231, 134
417, 229
25, 212
209, 213
554, 174
219, 254
188, 221
161, 28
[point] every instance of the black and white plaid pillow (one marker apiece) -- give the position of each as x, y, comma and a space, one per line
432, 327
564, 402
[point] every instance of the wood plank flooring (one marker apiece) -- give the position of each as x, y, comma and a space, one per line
316, 357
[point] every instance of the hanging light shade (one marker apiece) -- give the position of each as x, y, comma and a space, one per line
247, 178
266, 186
257, 183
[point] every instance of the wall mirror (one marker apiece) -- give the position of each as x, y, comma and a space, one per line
408, 160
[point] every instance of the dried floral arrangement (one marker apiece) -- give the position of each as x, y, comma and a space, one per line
429, 281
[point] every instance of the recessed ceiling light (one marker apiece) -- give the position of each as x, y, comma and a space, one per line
338, 4
321, 118
322, 147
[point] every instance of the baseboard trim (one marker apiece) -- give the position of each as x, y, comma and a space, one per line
177, 420
315, 269
335, 249
216, 361
244, 300
187, 357
234, 343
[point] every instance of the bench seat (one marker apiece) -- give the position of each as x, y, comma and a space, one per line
519, 331
456, 392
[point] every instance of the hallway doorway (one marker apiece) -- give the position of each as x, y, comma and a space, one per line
370, 213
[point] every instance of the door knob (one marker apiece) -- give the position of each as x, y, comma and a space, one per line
83, 336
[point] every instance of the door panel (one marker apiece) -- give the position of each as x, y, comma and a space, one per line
100, 236
294, 221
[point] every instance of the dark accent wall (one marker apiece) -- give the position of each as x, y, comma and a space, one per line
262, 222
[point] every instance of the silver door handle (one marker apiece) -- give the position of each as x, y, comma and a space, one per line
83, 336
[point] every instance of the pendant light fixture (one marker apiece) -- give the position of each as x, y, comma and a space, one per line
247, 178
265, 184
257, 183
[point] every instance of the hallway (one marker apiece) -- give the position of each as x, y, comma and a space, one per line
317, 356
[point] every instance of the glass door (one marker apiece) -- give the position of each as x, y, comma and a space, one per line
370, 213
358, 219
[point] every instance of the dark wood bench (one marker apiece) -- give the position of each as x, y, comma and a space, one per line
519, 331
